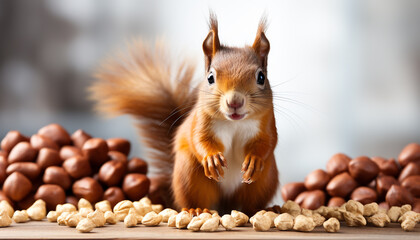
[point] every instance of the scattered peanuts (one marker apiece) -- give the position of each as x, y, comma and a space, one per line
318, 219
5, 206
261, 222
83, 203
379, 219
97, 218
72, 219
85, 211
130, 220
195, 224
409, 220
52, 216
151, 219
291, 208
5, 219
141, 208
20, 216
210, 225
183, 219
85, 225
67, 207
304, 224
167, 213
394, 213
332, 225
354, 219
284, 222
272, 216
172, 221
103, 206
405, 208
61, 220
370, 209
38, 210
121, 209
239, 217
110, 217
227, 222
251, 220
354, 207
157, 208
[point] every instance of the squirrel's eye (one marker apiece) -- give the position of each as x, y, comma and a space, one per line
210, 78
260, 78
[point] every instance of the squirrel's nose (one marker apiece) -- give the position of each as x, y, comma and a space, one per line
235, 103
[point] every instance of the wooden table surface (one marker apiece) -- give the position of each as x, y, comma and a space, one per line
47, 230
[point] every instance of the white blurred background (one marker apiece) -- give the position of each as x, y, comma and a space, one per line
347, 72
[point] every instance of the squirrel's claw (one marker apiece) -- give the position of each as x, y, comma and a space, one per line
252, 168
213, 164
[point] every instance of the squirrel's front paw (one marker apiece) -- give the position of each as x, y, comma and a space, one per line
252, 168
213, 164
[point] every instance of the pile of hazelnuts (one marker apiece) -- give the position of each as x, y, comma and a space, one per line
364, 179
57, 167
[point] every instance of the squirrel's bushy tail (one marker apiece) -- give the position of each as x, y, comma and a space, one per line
142, 83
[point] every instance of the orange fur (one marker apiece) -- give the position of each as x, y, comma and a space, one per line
140, 85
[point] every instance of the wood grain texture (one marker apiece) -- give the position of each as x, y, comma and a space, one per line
47, 230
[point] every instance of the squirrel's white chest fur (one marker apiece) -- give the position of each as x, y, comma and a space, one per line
234, 135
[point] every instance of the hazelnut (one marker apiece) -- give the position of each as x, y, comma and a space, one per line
336, 202
56, 133
114, 195
79, 138
410, 153
72, 200
137, 165
311, 199
29, 169
290, 191
51, 194
96, 150
22, 152
11, 139
38, 141
48, 157
412, 184
363, 169
135, 185
384, 183
337, 164
17, 186
364, 195
112, 172
77, 167
115, 155
410, 169
398, 196
57, 175
70, 151
341, 185
317, 179
119, 144
89, 189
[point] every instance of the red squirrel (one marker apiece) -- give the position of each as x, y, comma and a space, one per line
211, 145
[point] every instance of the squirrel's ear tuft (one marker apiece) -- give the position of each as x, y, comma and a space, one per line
261, 44
211, 44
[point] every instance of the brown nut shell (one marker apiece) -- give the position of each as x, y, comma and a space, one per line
58, 176
341, 185
291, 190
96, 150
317, 179
3, 175
384, 205
336, 202
11, 139
137, 165
114, 195
364, 195
77, 167
89, 189
119, 144
411, 169
115, 155
312, 199
17, 186
22, 152
416, 205
337, 164
410, 153
363, 169
112, 172
48, 157
38, 141
29, 169
135, 186
51, 194
79, 138
390, 168
3, 196
67, 152
412, 184
72, 200
56, 133
384, 183
26, 202
398, 196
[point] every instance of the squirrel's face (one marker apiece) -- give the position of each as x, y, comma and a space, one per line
236, 85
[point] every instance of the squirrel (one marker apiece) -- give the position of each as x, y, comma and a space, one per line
212, 145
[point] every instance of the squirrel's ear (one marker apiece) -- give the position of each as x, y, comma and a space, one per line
211, 44
261, 44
